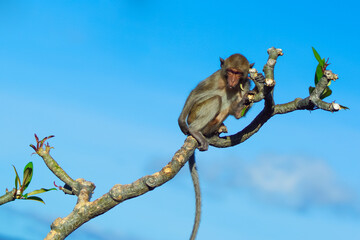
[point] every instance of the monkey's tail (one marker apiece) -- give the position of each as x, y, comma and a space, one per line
195, 179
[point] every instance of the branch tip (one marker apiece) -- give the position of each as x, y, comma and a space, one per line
278, 51
335, 107
330, 75
269, 82
40, 145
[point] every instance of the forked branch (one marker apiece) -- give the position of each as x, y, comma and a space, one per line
85, 209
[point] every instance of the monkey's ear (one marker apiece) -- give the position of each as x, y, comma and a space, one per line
222, 61
252, 65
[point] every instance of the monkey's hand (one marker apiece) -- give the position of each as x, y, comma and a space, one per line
260, 78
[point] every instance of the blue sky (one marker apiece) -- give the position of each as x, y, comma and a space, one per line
109, 79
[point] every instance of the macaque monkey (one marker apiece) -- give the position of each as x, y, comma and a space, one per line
208, 105
214, 99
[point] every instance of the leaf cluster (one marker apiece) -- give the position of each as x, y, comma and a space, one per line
319, 72
20, 187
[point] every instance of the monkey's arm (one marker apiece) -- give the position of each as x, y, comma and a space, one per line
251, 96
244, 105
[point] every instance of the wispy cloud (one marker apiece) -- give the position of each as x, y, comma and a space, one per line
294, 182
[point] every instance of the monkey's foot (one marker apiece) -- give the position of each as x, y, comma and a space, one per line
222, 129
204, 147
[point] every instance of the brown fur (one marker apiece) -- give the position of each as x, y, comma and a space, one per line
214, 99
206, 108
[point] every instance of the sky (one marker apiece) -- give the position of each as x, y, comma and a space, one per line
109, 80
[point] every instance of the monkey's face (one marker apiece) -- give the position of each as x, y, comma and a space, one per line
234, 76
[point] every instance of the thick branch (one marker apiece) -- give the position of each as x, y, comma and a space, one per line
84, 211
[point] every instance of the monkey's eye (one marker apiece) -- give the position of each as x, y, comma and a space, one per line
239, 74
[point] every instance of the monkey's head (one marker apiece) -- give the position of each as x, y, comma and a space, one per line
235, 69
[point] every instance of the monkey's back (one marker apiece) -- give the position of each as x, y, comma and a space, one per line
212, 94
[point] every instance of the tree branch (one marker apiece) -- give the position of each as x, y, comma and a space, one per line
8, 196
314, 101
264, 91
44, 152
85, 210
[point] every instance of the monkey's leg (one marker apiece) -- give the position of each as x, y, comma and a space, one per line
203, 143
183, 127
195, 179
190, 101
201, 117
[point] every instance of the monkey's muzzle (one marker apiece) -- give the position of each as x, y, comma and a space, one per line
233, 81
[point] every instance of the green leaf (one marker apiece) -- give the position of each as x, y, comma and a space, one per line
327, 92
17, 179
317, 56
28, 173
243, 112
320, 67
343, 107
241, 87
318, 74
42, 190
311, 89
35, 199
322, 63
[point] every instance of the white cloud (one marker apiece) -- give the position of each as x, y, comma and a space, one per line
294, 182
